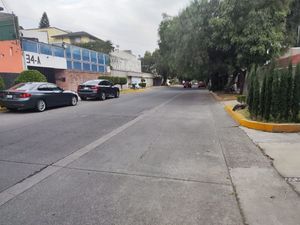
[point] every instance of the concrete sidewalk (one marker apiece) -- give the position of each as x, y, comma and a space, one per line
284, 150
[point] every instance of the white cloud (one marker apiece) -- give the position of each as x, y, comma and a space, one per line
132, 24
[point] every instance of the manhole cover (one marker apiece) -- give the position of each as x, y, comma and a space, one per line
293, 179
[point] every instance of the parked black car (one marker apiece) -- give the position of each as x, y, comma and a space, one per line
36, 95
98, 89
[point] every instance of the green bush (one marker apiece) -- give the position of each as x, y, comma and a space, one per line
276, 97
241, 99
30, 76
295, 108
115, 80
2, 85
142, 85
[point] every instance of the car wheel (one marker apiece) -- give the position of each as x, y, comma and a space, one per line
74, 101
117, 94
41, 105
102, 96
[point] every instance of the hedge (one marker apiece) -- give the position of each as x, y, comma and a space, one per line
115, 80
30, 76
2, 85
277, 97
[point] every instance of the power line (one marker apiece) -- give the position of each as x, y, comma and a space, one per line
5, 5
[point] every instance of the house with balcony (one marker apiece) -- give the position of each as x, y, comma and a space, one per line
54, 35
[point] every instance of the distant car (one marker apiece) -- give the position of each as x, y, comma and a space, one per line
98, 89
36, 95
201, 84
187, 84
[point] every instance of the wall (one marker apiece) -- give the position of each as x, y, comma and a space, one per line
52, 31
11, 57
69, 80
42, 36
124, 61
134, 76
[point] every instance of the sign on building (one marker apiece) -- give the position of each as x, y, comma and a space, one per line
41, 60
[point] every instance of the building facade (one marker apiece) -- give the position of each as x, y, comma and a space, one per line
125, 64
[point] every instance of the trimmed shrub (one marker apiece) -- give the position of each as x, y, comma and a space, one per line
263, 98
30, 76
256, 97
275, 105
2, 85
241, 99
142, 85
268, 98
295, 108
115, 80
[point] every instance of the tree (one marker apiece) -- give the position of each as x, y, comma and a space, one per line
293, 22
98, 46
268, 93
30, 76
44, 22
148, 63
296, 95
218, 38
275, 107
262, 101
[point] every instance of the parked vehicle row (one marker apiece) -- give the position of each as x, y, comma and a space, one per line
200, 84
42, 95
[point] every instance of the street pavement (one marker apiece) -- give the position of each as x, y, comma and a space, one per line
165, 156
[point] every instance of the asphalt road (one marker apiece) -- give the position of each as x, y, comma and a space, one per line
160, 157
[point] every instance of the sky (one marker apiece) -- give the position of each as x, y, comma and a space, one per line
131, 24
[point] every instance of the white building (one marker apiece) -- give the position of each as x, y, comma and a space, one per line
125, 64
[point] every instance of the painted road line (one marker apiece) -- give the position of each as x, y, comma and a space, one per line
26, 184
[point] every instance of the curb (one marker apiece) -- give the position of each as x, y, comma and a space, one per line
267, 127
218, 98
130, 91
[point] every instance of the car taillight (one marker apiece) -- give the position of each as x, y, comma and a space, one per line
25, 95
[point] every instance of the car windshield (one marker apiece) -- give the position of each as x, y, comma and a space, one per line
92, 82
23, 87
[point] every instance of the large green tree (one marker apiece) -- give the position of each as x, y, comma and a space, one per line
44, 22
217, 38
99, 46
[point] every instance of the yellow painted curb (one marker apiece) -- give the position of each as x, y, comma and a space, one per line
268, 127
128, 91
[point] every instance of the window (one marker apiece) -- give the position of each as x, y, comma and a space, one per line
68, 52
92, 82
94, 57
86, 55
69, 64
94, 68
107, 60
53, 87
101, 69
86, 67
77, 66
100, 58
76, 53
30, 46
59, 52
45, 49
